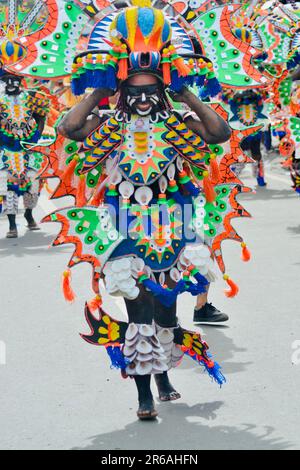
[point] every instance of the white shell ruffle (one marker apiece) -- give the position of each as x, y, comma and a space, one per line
150, 349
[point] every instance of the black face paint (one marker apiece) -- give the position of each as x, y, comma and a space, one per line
137, 96
12, 85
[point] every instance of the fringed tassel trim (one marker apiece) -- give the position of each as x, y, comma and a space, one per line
118, 360
246, 254
208, 188
233, 288
68, 292
95, 303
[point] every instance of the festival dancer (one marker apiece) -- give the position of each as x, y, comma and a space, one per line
142, 99
22, 117
154, 223
248, 109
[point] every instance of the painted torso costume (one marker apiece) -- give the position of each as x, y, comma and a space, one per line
162, 218
19, 128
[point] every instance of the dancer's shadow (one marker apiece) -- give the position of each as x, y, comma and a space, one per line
294, 230
31, 243
265, 194
223, 350
176, 429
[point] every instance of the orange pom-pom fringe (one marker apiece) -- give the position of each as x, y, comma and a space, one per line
246, 254
95, 303
214, 171
209, 191
234, 289
166, 68
123, 69
69, 294
69, 172
183, 69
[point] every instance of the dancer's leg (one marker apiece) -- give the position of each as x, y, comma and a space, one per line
10, 206
165, 317
206, 312
141, 311
30, 202
146, 403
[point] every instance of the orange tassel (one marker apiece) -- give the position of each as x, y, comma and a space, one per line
80, 194
166, 67
69, 171
66, 286
183, 69
178, 62
95, 303
214, 170
123, 69
209, 191
246, 254
123, 64
234, 289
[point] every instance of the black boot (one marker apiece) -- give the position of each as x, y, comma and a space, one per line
13, 231
32, 225
209, 314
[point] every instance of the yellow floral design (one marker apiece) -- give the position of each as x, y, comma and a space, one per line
110, 333
193, 342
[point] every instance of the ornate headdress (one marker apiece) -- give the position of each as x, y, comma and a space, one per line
141, 41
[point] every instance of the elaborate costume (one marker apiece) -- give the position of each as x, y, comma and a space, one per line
247, 109
154, 201
22, 115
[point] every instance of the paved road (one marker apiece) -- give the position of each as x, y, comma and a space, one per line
57, 392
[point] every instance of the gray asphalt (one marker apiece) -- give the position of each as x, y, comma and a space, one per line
58, 392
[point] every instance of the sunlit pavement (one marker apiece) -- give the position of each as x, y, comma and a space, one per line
58, 392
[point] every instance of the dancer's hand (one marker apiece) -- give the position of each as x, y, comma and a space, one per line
105, 92
181, 96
